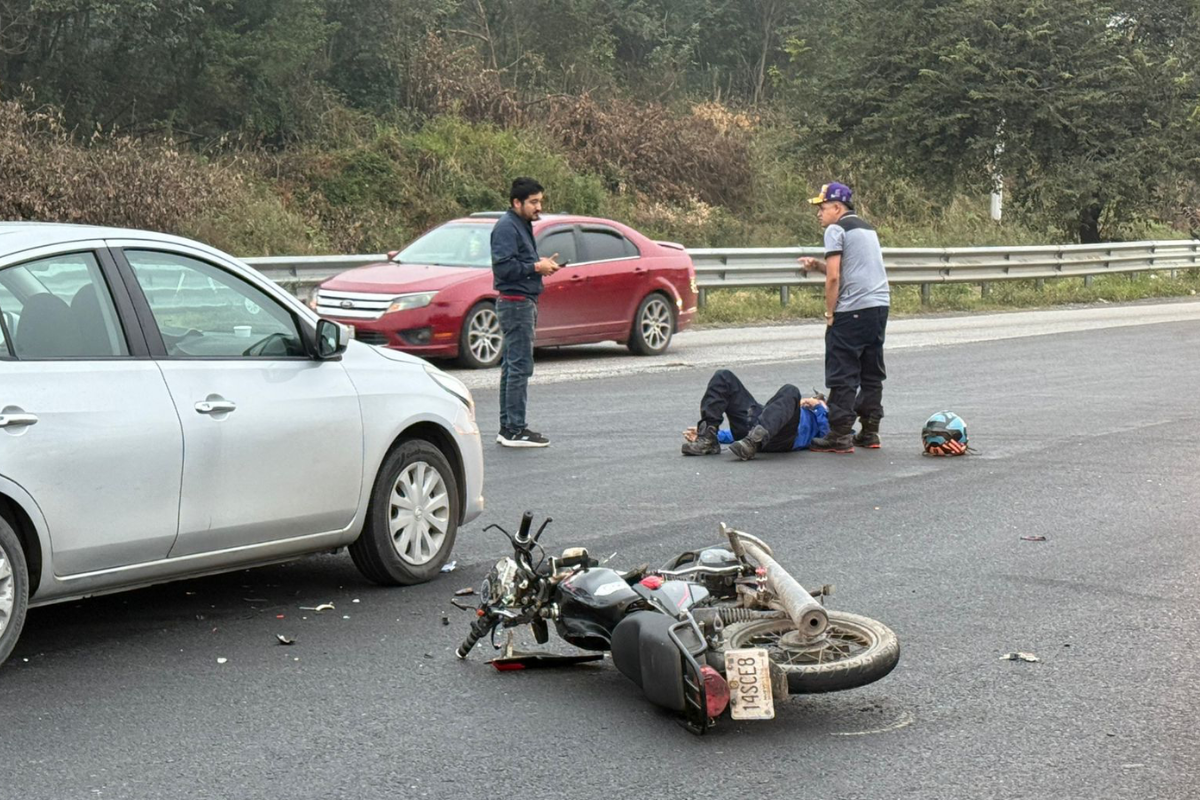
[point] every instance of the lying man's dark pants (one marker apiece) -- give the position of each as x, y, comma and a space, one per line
854, 369
726, 396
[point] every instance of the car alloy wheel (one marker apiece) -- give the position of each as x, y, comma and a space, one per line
656, 324
484, 338
8, 591
419, 513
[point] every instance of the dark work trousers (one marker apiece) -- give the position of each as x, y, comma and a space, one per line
854, 365
518, 321
726, 396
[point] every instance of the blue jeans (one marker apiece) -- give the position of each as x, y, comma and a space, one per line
518, 319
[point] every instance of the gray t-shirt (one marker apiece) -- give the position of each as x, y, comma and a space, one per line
864, 282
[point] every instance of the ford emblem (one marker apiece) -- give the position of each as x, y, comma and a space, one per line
347, 304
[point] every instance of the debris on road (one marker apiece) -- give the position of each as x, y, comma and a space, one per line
450, 567
255, 600
355, 600
445, 620
284, 639
222, 660
1033, 538
465, 591
318, 609
1030, 657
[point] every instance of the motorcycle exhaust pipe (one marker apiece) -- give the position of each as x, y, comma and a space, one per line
806, 614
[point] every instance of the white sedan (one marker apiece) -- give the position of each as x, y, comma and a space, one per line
167, 412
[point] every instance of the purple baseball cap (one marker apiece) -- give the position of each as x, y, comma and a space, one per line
833, 192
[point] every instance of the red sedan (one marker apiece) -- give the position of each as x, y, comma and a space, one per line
435, 297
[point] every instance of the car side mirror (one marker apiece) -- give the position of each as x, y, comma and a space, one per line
392, 255
332, 339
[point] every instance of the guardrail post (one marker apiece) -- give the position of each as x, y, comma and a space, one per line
1087, 281
1040, 284
985, 289
701, 298
926, 292
783, 295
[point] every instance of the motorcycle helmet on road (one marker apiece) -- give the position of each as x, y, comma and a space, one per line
944, 434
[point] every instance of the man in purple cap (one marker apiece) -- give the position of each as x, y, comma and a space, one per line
856, 311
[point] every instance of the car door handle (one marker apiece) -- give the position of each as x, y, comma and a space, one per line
215, 407
17, 420
578, 278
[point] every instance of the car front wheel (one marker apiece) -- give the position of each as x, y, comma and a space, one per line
14, 588
653, 326
481, 340
412, 517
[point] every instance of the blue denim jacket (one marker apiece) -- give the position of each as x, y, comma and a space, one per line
513, 255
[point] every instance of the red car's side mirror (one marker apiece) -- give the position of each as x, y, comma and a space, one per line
392, 254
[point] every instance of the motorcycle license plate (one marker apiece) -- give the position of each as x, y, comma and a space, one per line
748, 674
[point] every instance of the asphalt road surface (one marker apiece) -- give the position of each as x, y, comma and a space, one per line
1086, 422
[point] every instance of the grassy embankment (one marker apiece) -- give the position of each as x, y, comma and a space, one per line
363, 184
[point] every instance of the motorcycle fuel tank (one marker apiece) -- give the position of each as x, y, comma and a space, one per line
591, 603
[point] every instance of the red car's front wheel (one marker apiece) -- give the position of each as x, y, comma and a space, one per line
481, 340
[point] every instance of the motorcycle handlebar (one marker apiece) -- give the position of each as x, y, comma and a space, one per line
526, 523
480, 628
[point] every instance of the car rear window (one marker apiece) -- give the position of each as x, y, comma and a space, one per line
607, 245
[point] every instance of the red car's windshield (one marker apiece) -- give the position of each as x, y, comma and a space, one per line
455, 244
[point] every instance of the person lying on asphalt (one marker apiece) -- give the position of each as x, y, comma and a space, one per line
787, 422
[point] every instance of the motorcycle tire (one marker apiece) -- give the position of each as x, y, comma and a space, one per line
857, 651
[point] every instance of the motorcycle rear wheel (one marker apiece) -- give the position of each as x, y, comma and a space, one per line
854, 651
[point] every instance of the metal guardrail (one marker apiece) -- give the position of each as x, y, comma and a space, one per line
777, 267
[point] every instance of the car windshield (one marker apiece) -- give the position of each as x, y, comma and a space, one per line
455, 244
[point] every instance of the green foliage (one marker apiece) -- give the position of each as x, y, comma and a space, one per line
357, 123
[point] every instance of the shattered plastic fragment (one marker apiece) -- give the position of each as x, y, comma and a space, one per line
445, 620
1030, 657
450, 567
318, 609
1033, 538
465, 591
222, 660
284, 639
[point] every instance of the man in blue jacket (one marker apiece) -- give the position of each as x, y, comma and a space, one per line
517, 275
787, 422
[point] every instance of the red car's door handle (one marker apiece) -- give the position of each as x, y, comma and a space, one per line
578, 278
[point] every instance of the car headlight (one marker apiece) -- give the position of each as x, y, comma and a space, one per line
454, 386
405, 302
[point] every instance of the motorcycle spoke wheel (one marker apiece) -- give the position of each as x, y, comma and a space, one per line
854, 651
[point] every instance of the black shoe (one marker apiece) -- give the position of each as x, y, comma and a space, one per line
706, 443
524, 438
746, 449
869, 435
838, 440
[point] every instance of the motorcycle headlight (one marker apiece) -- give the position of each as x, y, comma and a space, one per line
454, 386
405, 302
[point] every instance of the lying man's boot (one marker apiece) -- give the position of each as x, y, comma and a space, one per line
746, 449
706, 442
869, 435
838, 440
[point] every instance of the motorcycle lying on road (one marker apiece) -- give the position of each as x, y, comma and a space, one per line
721, 627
